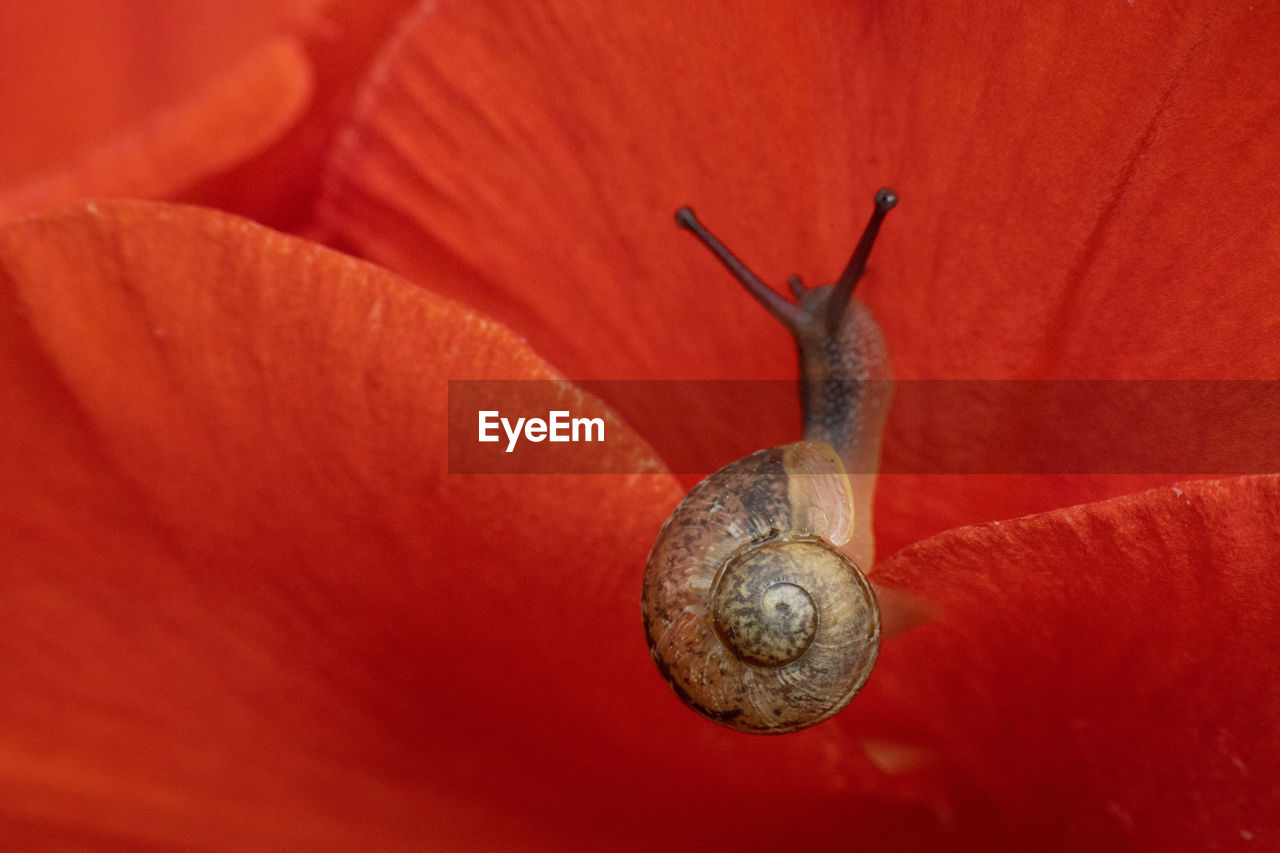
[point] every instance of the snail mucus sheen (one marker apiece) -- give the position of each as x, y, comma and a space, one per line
755, 610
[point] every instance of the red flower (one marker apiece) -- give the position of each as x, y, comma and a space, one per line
244, 601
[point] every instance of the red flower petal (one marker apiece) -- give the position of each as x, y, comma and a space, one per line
487, 161
140, 98
244, 599
529, 160
1091, 188
278, 187
1108, 673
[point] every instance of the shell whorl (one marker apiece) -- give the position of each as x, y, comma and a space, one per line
753, 614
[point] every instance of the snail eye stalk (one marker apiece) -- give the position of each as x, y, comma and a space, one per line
787, 313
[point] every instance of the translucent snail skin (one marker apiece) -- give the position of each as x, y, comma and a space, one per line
755, 608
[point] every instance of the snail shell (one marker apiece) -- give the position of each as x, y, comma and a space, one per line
754, 616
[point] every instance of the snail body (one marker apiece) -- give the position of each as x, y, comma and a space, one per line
756, 611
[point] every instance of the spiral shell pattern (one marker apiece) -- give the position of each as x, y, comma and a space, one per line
754, 616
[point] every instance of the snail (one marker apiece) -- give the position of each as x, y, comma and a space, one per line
755, 608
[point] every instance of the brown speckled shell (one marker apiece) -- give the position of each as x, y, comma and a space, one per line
783, 511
